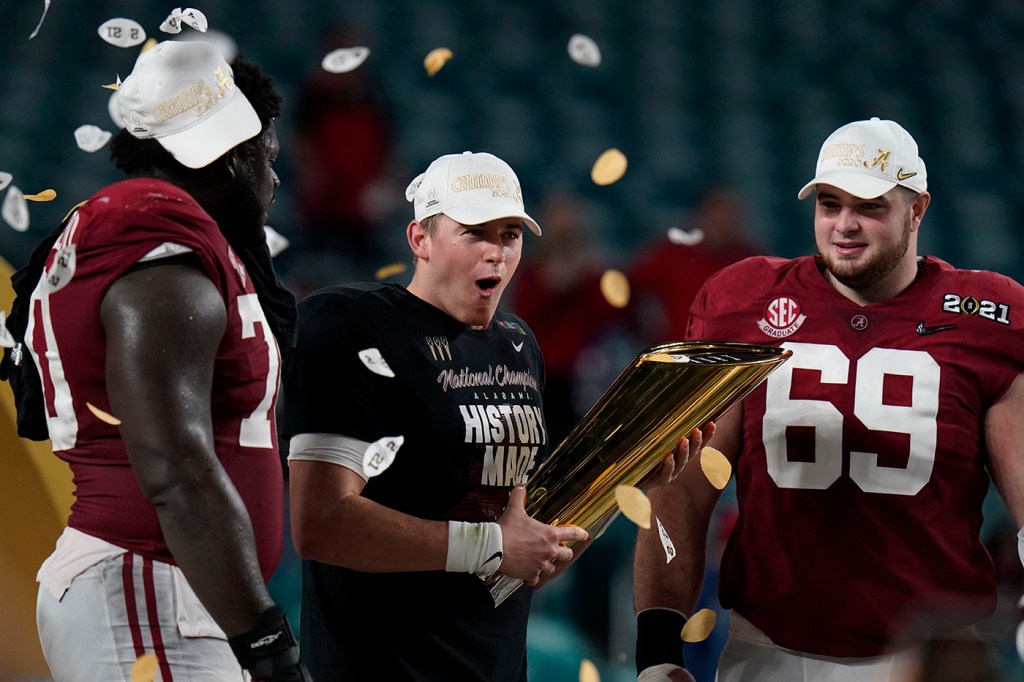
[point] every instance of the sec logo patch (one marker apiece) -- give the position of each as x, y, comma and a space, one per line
782, 317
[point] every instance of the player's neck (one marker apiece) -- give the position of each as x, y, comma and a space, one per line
891, 286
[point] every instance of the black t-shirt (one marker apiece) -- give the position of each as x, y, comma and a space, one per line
468, 405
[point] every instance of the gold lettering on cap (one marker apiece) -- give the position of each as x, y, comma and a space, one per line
224, 82
498, 184
844, 153
882, 160
198, 97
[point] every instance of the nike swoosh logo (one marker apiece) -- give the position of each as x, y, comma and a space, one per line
518, 348
900, 175
925, 331
496, 555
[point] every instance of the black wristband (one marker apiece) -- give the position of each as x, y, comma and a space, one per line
658, 638
269, 650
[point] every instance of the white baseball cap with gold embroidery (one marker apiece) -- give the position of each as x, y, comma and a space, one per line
183, 95
470, 189
867, 159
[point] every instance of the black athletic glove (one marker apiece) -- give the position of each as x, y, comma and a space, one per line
657, 638
269, 651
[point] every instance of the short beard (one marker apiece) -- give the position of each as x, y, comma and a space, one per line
864, 276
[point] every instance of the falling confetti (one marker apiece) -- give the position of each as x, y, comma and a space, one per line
584, 50
276, 241
436, 59
375, 362
121, 32
381, 454
666, 541
149, 45
609, 167
113, 421
190, 17
345, 59
386, 271
588, 671
90, 138
5, 179
6, 339
15, 209
46, 8
144, 668
64, 265
615, 288
116, 85
45, 195
634, 505
699, 626
715, 466
686, 238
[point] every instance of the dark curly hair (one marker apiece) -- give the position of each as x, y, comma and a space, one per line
135, 156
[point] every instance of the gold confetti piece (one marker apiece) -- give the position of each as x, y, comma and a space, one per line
105, 418
436, 59
149, 45
588, 671
715, 466
144, 668
634, 505
615, 288
659, 357
583, 50
45, 195
116, 85
686, 238
386, 271
609, 167
699, 626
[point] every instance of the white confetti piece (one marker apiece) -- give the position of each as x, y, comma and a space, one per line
583, 50
122, 32
375, 362
381, 454
46, 8
276, 241
64, 264
344, 59
15, 209
188, 17
5, 179
6, 339
684, 237
666, 541
90, 138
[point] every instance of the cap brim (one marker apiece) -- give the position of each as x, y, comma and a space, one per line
858, 184
214, 135
472, 215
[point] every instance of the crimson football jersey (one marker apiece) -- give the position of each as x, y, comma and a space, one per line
105, 237
863, 468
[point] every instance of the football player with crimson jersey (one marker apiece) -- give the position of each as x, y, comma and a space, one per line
156, 302
862, 463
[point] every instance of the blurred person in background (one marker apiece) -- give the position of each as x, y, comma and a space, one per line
863, 462
666, 275
156, 301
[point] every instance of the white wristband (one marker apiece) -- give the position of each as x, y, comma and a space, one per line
473, 548
656, 673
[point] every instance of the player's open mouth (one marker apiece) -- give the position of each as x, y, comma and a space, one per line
487, 284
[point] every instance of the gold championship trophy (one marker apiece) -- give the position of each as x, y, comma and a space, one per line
665, 393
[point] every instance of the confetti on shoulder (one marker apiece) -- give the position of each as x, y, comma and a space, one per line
103, 416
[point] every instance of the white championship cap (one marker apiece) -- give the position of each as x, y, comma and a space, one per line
470, 189
183, 95
867, 159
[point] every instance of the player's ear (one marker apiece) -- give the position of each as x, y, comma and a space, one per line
419, 240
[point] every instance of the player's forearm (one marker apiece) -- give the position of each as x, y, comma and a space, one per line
207, 528
363, 535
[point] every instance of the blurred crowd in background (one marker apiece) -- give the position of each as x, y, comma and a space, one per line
719, 106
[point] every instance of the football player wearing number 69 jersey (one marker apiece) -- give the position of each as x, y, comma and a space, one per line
861, 463
155, 321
